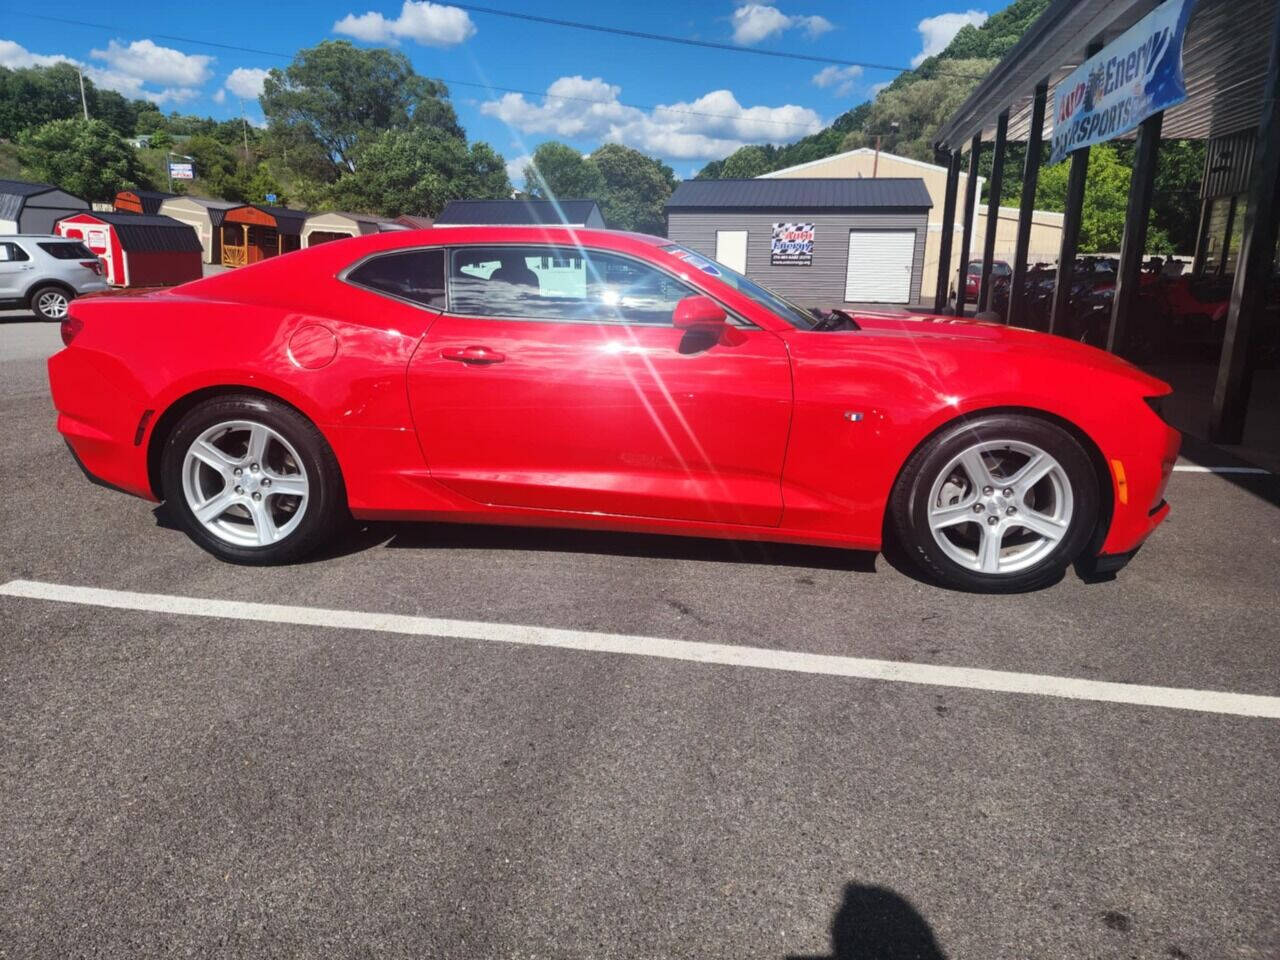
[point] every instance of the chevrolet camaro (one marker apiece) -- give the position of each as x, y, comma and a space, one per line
603, 380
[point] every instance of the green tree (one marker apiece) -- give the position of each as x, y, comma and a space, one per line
636, 188
334, 95
417, 172
558, 171
218, 171
32, 96
161, 140
261, 185
747, 162
83, 157
1106, 195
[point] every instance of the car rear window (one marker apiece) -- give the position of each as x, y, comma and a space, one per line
416, 275
67, 251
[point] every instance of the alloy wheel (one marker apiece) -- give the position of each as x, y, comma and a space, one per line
1000, 506
53, 304
245, 483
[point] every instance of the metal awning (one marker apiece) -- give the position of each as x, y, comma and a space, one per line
1224, 64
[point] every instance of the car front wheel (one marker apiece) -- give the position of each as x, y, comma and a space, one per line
998, 504
251, 480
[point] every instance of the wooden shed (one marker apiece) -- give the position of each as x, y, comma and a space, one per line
336, 225
254, 232
34, 207
141, 201
204, 216
137, 250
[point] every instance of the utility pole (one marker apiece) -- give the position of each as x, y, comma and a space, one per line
83, 102
245, 124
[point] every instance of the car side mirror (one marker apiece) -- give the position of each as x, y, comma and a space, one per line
698, 312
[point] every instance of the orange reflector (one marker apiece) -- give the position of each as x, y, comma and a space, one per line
1122, 485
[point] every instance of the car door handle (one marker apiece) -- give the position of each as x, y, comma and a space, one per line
474, 355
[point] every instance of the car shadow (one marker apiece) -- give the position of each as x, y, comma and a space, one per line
875, 923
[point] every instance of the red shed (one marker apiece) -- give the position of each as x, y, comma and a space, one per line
138, 250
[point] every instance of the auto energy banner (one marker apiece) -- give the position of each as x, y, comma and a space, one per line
792, 245
1137, 74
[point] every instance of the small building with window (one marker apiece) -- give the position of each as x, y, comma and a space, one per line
523, 212
137, 250
34, 207
822, 240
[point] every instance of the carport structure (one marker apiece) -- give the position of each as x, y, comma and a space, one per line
1231, 66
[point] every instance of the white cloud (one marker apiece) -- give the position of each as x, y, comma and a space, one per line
220, 95
713, 125
431, 24
753, 22
128, 80
246, 82
841, 78
515, 168
937, 32
151, 63
15, 57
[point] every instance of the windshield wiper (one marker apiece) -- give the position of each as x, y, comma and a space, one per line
833, 320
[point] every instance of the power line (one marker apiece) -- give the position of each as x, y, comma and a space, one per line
457, 83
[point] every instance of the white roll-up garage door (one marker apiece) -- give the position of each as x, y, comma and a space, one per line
880, 264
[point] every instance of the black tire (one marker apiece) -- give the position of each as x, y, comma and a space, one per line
909, 503
42, 310
326, 497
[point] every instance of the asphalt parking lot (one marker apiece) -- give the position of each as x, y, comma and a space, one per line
176, 780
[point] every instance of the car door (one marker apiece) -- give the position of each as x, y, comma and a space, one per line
15, 270
557, 381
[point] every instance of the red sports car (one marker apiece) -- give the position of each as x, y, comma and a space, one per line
604, 380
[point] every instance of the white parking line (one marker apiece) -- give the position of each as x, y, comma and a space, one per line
1195, 468
996, 681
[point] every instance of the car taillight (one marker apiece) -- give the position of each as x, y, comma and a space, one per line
94, 265
70, 328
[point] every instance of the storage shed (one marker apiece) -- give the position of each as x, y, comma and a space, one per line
136, 249
564, 213
414, 223
815, 240
337, 225
205, 217
141, 201
253, 232
34, 207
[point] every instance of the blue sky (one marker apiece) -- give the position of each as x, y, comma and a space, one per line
687, 105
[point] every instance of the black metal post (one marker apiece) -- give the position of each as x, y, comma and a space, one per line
1070, 230
1017, 314
1253, 265
948, 230
1197, 262
994, 187
1133, 242
970, 201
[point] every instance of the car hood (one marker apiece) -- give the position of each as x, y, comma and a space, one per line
971, 335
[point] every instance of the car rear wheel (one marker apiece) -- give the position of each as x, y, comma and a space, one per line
252, 481
999, 504
50, 303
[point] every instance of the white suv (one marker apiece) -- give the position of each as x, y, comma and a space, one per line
45, 273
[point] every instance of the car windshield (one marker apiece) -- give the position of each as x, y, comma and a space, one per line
788, 311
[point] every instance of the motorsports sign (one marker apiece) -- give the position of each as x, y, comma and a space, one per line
792, 245
1137, 74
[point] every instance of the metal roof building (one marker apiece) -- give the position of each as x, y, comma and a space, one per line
819, 241
569, 213
1225, 58
137, 249
203, 215
34, 207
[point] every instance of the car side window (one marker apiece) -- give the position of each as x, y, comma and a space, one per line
568, 284
10, 252
414, 275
